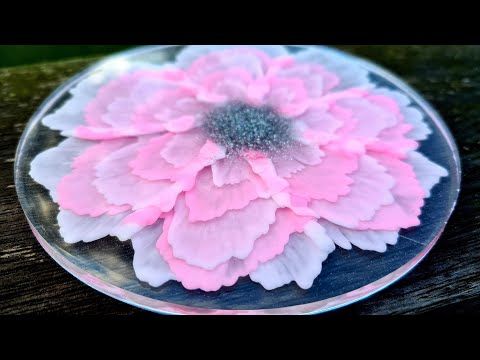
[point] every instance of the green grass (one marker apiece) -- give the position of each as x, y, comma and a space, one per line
14, 55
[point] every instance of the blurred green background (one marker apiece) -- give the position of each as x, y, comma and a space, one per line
14, 55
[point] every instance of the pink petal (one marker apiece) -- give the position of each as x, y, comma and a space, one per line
297, 204
210, 243
308, 154
394, 141
150, 164
116, 89
144, 217
207, 201
265, 168
350, 73
182, 148
220, 86
257, 90
120, 187
408, 195
76, 191
191, 53
371, 115
288, 96
226, 274
285, 166
370, 190
110, 114
300, 156
230, 170
252, 60
326, 181
316, 79
174, 109
318, 119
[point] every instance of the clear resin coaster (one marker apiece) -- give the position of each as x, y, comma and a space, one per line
237, 179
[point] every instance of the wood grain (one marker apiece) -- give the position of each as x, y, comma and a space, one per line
447, 281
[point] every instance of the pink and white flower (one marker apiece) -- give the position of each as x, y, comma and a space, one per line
237, 161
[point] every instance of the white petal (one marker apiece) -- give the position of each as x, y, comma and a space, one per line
350, 73
75, 228
301, 261
363, 239
191, 53
71, 114
148, 264
428, 173
412, 115
48, 167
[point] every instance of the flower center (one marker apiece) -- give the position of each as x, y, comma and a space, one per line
239, 126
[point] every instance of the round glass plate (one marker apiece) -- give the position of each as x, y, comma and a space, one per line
347, 276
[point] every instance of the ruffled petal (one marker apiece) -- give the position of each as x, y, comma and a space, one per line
350, 74
319, 120
371, 113
71, 114
317, 81
207, 201
266, 247
225, 86
111, 113
148, 264
209, 243
308, 154
183, 148
50, 166
230, 171
408, 195
326, 181
297, 159
285, 166
371, 189
149, 163
175, 110
374, 240
190, 54
394, 141
412, 115
119, 186
75, 228
250, 58
265, 169
428, 173
76, 191
288, 96
301, 261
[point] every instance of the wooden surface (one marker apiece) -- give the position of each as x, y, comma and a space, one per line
447, 281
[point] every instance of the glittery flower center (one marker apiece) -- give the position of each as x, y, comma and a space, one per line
239, 126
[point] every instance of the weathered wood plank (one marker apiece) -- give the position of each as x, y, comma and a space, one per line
448, 280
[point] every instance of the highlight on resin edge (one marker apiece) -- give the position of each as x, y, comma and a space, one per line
236, 161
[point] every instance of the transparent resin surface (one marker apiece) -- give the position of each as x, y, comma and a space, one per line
347, 276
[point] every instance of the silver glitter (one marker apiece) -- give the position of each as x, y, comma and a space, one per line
239, 126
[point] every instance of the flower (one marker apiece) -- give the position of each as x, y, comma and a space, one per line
237, 161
